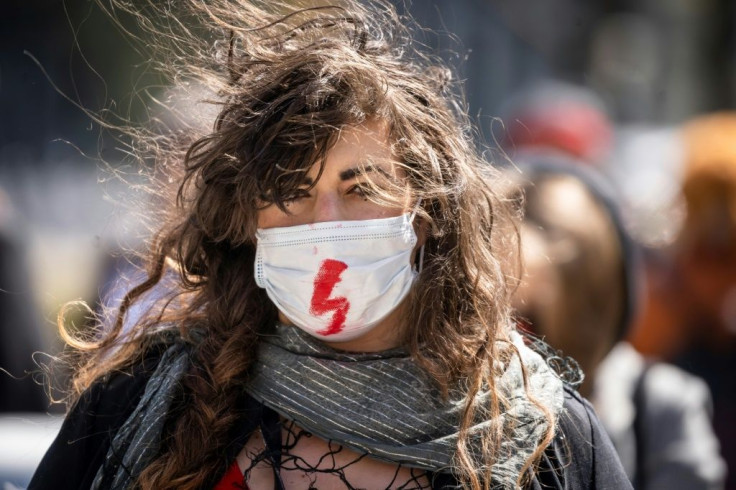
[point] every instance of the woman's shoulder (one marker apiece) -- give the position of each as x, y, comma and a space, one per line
578, 418
83, 441
117, 393
581, 456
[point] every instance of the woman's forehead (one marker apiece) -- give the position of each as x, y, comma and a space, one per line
359, 150
367, 140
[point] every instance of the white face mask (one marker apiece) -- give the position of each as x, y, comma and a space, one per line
336, 280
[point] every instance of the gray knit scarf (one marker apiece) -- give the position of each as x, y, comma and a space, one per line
384, 405
138, 440
381, 404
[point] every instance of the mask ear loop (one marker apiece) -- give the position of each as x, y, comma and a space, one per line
421, 249
421, 259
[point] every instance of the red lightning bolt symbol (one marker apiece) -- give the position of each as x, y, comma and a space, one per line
325, 281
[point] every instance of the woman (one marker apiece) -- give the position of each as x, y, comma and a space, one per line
341, 314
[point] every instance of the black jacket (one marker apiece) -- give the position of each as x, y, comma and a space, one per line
580, 457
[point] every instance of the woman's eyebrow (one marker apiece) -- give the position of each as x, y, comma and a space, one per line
354, 172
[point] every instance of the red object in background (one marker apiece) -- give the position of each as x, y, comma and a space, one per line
577, 130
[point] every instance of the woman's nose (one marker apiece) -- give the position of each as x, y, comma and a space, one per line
327, 207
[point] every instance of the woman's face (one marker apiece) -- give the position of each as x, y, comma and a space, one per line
360, 154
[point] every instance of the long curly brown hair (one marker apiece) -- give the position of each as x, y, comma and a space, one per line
285, 79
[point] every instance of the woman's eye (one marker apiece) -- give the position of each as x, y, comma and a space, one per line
360, 190
296, 195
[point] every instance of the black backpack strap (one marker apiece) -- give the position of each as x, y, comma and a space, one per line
639, 398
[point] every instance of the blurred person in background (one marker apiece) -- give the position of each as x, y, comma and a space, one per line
556, 116
579, 293
690, 314
20, 322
